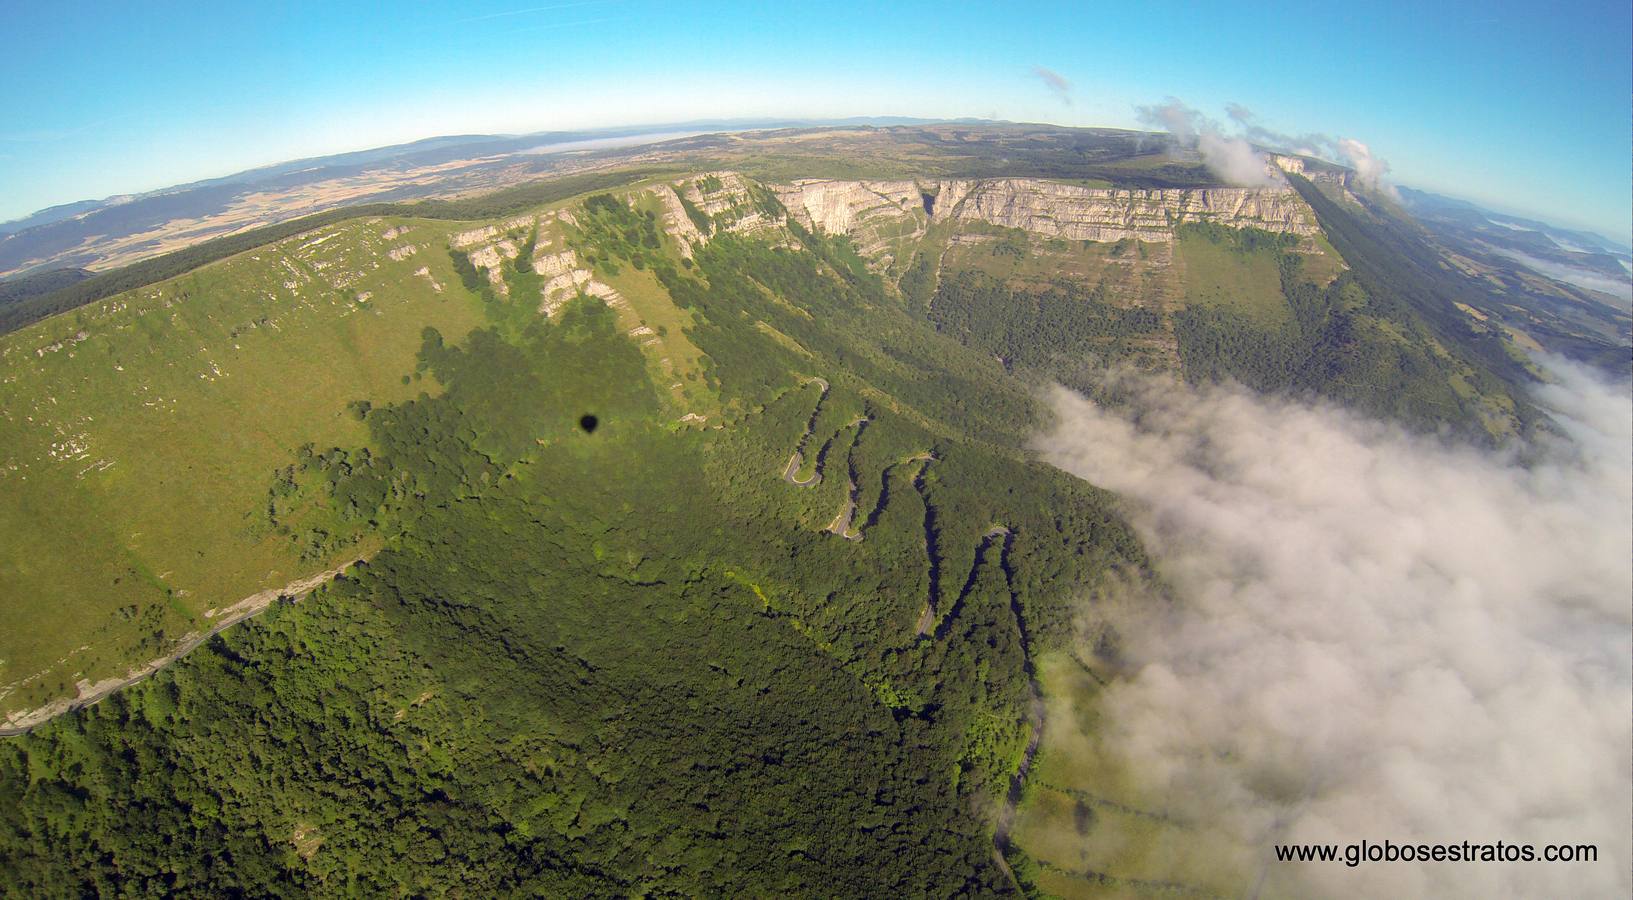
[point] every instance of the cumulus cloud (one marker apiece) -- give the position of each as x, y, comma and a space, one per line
1370, 170
1233, 159
1056, 83
1374, 635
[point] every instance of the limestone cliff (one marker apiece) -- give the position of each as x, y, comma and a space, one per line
874, 212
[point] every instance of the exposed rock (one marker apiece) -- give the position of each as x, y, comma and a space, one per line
676, 221
565, 278
728, 200
1320, 173
425, 272
1048, 208
838, 206
475, 236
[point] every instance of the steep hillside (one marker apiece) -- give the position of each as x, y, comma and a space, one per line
1239, 283
687, 539
667, 502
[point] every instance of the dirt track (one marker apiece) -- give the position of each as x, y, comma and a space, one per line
25, 721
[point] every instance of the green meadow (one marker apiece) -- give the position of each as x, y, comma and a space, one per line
141, 432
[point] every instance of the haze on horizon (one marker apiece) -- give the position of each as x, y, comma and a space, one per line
125, 100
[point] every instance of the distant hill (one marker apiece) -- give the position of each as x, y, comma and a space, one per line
25, 287
1582, 259
99, 233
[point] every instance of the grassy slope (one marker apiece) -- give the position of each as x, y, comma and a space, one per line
136, 459
1216, 276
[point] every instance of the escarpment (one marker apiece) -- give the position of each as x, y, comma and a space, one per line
875, 212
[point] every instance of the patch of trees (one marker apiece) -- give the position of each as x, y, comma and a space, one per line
23, 287
590, 664
611, 230
1342, 343
1053, 330
1239, 240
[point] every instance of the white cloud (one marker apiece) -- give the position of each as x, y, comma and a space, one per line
1376, 636
1233, 159
1369, 169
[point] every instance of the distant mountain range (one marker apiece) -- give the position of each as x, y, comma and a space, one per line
100, 234
1581, 258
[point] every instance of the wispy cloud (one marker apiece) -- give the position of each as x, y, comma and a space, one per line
1056, 82
1371, 170
528, 11
47, 135
1582, 278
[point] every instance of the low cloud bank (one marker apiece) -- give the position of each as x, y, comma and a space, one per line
1376, 636
1582, 278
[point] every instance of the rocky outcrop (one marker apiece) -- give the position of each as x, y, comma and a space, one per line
1101, 214
1317, 171
728, 199
838, 207
675, 220
875, 212
465, 239
567, 277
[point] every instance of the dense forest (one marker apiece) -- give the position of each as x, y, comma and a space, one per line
627, 659
1366, 340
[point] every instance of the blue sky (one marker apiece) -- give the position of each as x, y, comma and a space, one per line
1524, 108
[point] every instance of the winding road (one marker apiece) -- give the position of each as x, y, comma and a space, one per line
791, 472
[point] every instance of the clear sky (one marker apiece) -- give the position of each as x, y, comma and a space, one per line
1522, 106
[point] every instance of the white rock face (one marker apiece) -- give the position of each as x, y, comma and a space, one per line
1048, 208
565, 279
1339, 178
839, 206
474, 236
676, 221
729, 202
